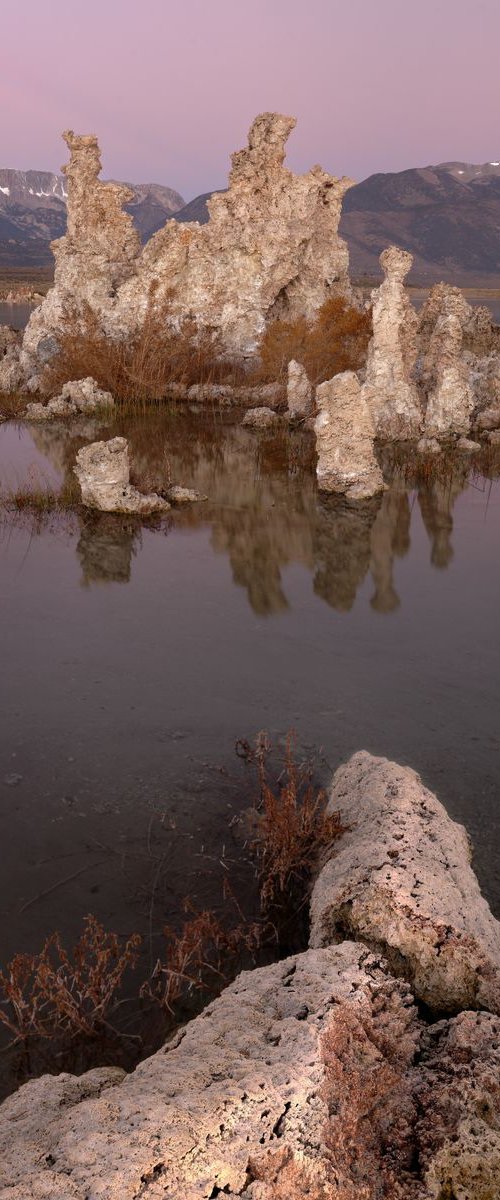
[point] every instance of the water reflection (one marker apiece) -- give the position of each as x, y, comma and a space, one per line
263, 510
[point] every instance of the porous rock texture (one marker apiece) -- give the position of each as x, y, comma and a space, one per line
103, 472
271, 247
78, 396
315, 1076
345, 439
299, 392
402, 882
390, 390
445, 369
260, 418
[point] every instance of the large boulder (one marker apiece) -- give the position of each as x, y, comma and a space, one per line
402, 882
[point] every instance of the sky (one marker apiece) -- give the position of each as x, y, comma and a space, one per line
171, 86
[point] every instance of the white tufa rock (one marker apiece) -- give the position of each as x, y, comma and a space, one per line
389, 389
445, 371
79, 396
401, 882
271, 246
345, 439
103, 472
299, 392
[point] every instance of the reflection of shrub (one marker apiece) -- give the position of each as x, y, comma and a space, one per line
139, 367
336, 341
49, 993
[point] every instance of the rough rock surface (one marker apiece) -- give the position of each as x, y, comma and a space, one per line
260, 418
345, 439
402, 883
489, 418
445, 370
271, 247
390, 389
182, 495
103, 472
314, 1076
466, 446
77, 397
299, 393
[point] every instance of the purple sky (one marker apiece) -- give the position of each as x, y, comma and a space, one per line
171, 86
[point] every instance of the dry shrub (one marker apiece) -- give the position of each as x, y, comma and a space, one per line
39, 498
197, 957
336, 341
53, 993
293, 827
140, 367
12, 406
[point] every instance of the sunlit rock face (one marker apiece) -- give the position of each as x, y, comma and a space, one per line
344, 439
390, 390
270, 248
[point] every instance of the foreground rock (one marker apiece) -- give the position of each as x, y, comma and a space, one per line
315, 1076
103, 472
345, 440
79, 396
402, 883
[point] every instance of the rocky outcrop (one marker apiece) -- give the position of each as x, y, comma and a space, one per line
316, 1075
270, 248
445, 370
299, 392
390, 390
402, 883
79, 396
103, 472
345, 439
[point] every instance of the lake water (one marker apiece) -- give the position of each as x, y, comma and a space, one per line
134, 657
15, 315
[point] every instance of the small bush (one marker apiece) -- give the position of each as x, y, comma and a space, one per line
293, 828
336, 341
51, 993
196, 957
140, 367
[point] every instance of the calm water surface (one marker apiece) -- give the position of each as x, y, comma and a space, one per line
134, 657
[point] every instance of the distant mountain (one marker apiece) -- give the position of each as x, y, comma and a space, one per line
33, 213
447, 215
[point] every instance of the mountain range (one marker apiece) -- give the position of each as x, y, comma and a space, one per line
447, 215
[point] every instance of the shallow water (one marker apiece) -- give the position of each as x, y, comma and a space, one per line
133, 658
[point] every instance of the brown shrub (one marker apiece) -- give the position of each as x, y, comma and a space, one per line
293, 827
50, 993
196, 956
140, 367
336, 341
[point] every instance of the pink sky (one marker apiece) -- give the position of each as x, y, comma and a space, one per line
171, 87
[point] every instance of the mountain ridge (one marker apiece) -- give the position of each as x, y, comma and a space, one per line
447, 215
